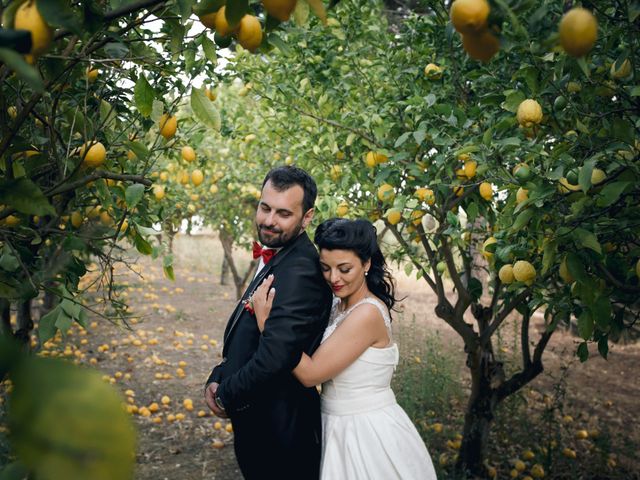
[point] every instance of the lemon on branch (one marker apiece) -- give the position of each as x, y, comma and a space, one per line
209, 19
168, 126
393, 216
529, 113
342, 209
523, 271
250, 32
28, 17
623, 70
578, 31
197, 177
386, 193
222, 26
481, 46
433, 71
486, 191
505, 274
280, 9
188, 154
95, 156
469, 16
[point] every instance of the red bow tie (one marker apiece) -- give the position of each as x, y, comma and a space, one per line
265, 253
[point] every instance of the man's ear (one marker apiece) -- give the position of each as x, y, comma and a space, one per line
306, 220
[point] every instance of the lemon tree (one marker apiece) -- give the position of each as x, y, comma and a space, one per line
517, 157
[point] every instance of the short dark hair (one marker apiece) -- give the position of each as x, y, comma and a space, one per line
285, 177
360, 237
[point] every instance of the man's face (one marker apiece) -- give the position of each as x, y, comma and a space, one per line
280, 216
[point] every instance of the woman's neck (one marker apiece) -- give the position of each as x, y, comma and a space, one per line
356, 296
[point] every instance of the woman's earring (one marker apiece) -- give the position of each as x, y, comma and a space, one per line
366, 273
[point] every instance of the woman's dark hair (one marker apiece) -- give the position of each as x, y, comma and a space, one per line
285, 177
360, 237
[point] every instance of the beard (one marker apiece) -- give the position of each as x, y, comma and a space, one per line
275, 237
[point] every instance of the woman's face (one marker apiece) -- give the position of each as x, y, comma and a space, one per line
343, 270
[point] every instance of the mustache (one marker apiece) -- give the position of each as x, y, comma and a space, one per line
268, 229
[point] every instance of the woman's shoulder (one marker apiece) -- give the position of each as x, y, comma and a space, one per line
371, 308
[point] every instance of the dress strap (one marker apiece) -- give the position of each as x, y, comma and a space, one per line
381, 306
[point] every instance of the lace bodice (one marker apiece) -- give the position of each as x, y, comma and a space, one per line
336, 316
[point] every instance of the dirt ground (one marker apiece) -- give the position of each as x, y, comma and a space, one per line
183, 321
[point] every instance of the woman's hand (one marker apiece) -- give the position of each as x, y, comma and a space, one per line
262, 300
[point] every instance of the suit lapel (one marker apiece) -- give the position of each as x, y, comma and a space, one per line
257, 280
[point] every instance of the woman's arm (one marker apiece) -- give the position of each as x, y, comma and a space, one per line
361, 329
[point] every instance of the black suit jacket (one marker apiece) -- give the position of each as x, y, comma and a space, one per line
276, 420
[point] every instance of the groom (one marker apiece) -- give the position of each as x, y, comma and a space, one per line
276, 420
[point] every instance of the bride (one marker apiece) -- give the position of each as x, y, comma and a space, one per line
366, 434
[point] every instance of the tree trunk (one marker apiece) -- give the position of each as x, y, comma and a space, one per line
224, 274
5, 317
50, 299
239, 281
480, 411
25, 322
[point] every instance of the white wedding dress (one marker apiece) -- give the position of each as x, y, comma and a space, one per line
366, 434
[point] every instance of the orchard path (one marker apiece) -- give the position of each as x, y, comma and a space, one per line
183, 321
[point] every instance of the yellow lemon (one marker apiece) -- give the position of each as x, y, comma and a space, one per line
564, 272
95, 156
469, 16
566, 187
213, 189
470, 167
537, 471
28, 17
519, 465
158, 192
528, 455
168, 126
92, 74
578, 31
386, 193
211, 93
394, 216
370, 159
529, 113
573, 87
188, 154
197, 177
222, 26
250, 32
638, 268
523, 271
481, 46
597, 176
485, 253
521, 195
486, 191
622, 71
11, 221
336, 172
569, 453
426, 195
76, 219
433, 71
209, 19
342, 209
506, 273
280, 9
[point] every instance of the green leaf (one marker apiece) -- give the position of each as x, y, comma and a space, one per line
583, 352
575, 266
143, 96
584, 66
603, 346
610, 193
584, 178
209, 49
133, 194
601, 310
402, 139
147, 230
25, 71
419, 136
107, 114
235, 10
140, 149
585, 325
8, 261
25, 196
185, 9
623, 130
587, 239
522, 219
14, 471
142, 245
274, 39
207, 6
59, 13
548, 256
204, 109
47, 324
513, 100
168, 273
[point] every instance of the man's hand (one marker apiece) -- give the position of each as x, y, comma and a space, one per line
209, 397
